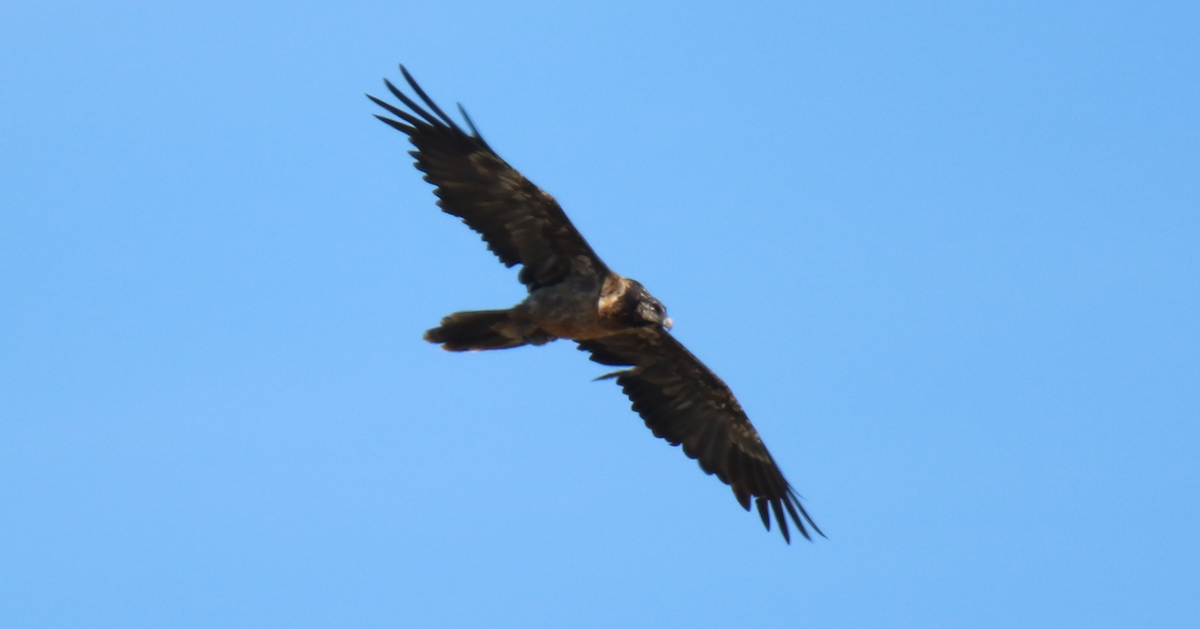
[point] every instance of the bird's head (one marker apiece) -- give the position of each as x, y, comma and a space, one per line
643, 309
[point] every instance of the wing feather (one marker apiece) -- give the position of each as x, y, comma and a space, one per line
685, 403
763, 513
520, 222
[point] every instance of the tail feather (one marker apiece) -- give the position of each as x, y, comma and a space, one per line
474, 330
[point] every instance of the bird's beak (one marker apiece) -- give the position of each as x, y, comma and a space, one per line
668, 323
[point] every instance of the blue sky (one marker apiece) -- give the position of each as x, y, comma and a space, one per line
946, 254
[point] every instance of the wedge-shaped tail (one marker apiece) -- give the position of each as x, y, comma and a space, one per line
474, 330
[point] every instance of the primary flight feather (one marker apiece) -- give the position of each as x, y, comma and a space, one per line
574, 295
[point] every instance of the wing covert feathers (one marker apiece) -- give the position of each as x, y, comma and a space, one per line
685, 403
520, 222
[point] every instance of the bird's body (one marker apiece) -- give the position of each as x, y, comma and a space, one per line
572, 294
580, 308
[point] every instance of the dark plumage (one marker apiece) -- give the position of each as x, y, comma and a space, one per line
574, 295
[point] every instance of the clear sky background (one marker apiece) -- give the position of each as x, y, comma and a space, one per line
948, 257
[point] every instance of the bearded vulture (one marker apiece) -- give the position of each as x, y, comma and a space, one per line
574, 295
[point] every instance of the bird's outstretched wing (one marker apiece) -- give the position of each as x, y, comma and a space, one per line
521, 223
685, 403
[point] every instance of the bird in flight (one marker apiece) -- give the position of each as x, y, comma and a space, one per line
574, 295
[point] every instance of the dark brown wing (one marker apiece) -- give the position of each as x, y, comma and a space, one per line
520, 222
685, 403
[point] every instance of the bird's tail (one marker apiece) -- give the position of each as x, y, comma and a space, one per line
477, 330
